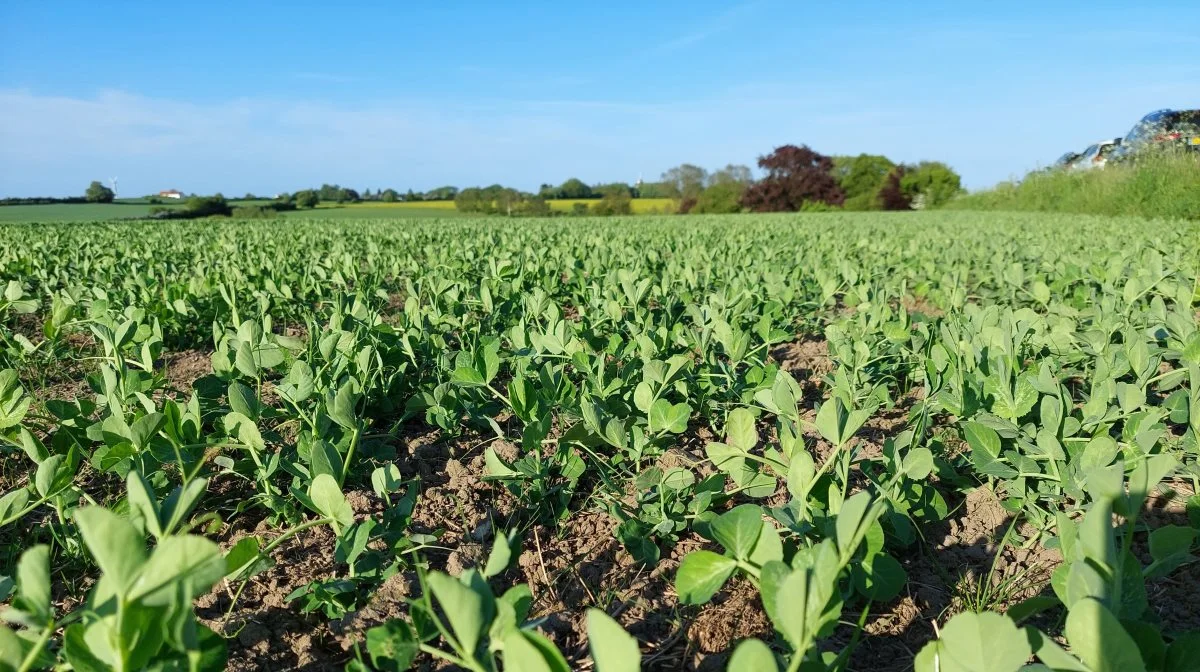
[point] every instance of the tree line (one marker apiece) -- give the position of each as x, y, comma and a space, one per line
795, 178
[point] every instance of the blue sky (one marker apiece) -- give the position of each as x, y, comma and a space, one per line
255, 97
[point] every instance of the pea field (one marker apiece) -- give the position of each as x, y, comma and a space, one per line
942, 441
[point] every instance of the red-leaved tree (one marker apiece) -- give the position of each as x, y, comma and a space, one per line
891, 195
795, 175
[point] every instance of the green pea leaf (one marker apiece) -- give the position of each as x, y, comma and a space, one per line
392, 646
982, 438
117, 547
918, 463
500, 557
185, 564
54, 474
467, 377
740, 431
983, 642
33, 587
738, 530
1169, 546
329, 501
298, 386
668, 417
1096, 636
468, 610
701, 575
613, 649
752, 654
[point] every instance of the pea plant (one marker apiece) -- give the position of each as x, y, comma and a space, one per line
804, 406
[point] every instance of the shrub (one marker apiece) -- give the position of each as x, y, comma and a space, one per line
207, 206
306, 198
255, 212
817, 206
720, 198
536, 207
615, 201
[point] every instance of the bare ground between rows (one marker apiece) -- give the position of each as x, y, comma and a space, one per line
569, 567
579, 563
956, 558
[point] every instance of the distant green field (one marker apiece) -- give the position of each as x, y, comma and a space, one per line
133, 208
72, 212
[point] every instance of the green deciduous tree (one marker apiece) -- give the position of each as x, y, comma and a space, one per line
731, 173
685, 182
306, 198
654, 190
932, 183
574, 188
446, 193
601, 189
98, 193
472, 200
861, 177
722, 197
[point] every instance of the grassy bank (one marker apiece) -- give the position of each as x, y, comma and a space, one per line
1166, 186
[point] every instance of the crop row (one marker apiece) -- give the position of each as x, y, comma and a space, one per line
1046, 358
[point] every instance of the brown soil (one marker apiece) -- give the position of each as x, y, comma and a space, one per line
808, 360
919, 305
267, 633
569, 567
1172, 598
186, 367
954, 558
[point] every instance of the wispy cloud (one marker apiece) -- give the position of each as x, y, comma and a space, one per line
53, 144
687, 40
708, 27
56, 144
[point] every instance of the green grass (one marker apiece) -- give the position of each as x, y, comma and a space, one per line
1162, 186
72, 212
125, 208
